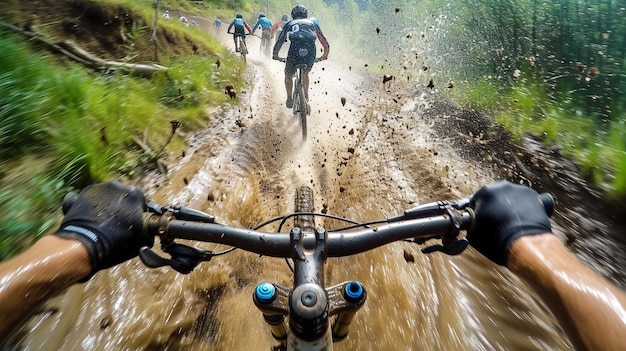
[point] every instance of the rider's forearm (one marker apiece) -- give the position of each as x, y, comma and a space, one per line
51, 265
589, 308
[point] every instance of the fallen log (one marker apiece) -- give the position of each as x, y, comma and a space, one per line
78, 54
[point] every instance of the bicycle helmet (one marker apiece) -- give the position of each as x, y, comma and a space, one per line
261, 15
285, 18
299, 12
239, 16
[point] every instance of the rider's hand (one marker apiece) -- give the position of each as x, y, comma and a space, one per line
107, 219
504, 213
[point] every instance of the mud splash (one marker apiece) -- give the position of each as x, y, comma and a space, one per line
369, 158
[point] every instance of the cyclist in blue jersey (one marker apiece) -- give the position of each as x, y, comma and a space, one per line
240, 27
266, 26
302, 33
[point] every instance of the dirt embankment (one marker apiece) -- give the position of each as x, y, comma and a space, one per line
107, 31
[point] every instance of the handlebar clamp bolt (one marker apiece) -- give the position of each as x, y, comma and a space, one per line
308, 298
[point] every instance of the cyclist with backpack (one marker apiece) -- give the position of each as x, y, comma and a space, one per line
302, 34
240, 26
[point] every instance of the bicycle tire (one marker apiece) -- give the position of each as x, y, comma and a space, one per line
304, 203
296, 99
243, 48
304, 106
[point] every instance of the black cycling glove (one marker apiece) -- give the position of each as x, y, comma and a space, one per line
107, 219
504, 213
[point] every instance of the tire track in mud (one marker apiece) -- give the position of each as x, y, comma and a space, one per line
372, 158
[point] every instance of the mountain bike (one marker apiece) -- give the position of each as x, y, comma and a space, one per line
299, 95
241, 43
266, 49
307, 316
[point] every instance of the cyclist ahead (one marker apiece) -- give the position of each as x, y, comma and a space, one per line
240, 27
266, 26
302, 33
278, 26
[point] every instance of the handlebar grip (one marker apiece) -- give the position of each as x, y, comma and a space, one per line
548, 202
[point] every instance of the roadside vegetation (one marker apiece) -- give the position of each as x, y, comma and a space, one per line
556, 70
552, 70
65, 126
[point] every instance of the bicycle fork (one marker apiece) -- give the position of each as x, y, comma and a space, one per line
309, 306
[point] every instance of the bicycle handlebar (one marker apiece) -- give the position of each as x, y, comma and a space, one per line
437, 220
279, 244
309, 304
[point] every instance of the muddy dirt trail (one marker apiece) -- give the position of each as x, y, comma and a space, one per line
372, 158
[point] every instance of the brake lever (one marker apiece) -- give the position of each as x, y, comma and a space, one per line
184, 258
451, 248
181, 212
451, 244
431, 209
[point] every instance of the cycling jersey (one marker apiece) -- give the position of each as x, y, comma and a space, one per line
264, 23
302, 34
278, 27
240, 27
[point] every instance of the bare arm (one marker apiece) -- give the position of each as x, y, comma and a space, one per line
590, 309
102, 228
50, 266
324, 42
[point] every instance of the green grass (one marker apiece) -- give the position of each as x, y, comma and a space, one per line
480, 94
67, 126
29, 202
600, 151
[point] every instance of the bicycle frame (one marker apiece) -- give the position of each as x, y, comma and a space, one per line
300, 100
301, 318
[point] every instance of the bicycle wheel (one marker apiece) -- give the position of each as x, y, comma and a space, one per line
295, 96
244, 49
304, 110
304, 203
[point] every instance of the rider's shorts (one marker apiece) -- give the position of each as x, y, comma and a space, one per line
304, 54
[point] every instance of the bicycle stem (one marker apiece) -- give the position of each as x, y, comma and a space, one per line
309, 306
